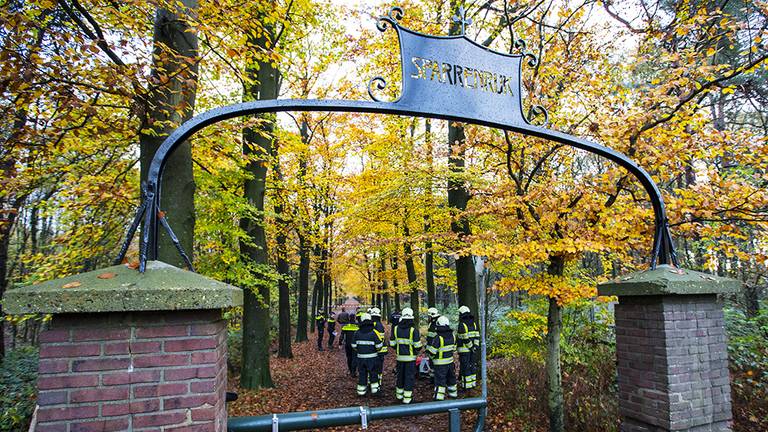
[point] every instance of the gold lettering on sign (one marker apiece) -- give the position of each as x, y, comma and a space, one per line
461, 76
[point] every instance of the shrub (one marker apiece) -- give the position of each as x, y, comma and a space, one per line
748, 360
18, 381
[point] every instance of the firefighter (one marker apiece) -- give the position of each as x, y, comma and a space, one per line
441, 348
378, 327
320, 323
407, 343
468, 339
367, 343
331, 330
348, 334
433, 315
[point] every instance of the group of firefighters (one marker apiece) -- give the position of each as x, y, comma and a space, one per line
364, 339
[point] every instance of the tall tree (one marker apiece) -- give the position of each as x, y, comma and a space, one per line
458, 195
170, 101
262, 82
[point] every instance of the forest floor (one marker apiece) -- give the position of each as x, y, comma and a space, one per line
315, 380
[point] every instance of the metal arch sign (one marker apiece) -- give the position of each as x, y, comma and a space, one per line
455, 76
450, 78
444, 77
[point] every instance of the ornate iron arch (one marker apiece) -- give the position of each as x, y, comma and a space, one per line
443, 77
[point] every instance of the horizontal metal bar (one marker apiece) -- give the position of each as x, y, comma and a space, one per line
348, 416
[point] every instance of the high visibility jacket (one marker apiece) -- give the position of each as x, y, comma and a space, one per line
431, 330
378, 327
406, 341
442, 346
366, 342
349, 330
320, 322
331, 324
467, 335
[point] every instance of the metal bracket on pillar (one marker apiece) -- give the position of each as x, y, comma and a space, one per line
454, 420
275, 423
363, 417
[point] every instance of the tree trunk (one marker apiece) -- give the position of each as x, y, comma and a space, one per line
554, 375
395, 283
429, 273
314, 308
283, 268
301, 321
169, 104
304, 250
413, 280
263, 83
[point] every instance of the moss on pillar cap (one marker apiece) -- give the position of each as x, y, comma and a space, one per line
667, 280
121, 288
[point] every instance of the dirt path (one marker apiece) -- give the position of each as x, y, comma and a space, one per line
315, 380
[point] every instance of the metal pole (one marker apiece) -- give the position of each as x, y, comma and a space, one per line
454, 420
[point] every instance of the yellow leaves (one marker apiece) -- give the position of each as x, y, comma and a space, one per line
565, 289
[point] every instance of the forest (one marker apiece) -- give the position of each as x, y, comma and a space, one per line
310, 211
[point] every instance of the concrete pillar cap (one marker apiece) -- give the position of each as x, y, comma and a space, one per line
667, 280
123, 289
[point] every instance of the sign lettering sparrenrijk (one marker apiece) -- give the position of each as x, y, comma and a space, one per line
462, 76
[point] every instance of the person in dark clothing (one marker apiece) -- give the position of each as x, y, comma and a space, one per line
433, 315
348, 334
367, 344
468, 338
331, 329
320, 323
378, 327
343, 319
441, 347
407, 342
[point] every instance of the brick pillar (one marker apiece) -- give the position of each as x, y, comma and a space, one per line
672, 358
131, 351
133, 371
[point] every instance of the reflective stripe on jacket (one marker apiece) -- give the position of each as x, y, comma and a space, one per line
467, 336
405, 345
442, 348
366, 342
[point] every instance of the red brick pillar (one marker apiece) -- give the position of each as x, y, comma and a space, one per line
672, 358
133, 371
131, 351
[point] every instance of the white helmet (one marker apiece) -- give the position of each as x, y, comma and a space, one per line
463, 310
407, 313
365, 317
443, 321
433, 312
375, 311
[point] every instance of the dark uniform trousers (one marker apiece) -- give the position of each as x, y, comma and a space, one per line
320, 324
331, 336
366, 369
406, 376
445, 377
467, 369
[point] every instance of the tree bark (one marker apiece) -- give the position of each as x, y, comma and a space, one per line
554, 375
283, 267
413, 280
262, 83
301, 320
170, 102
395, 283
